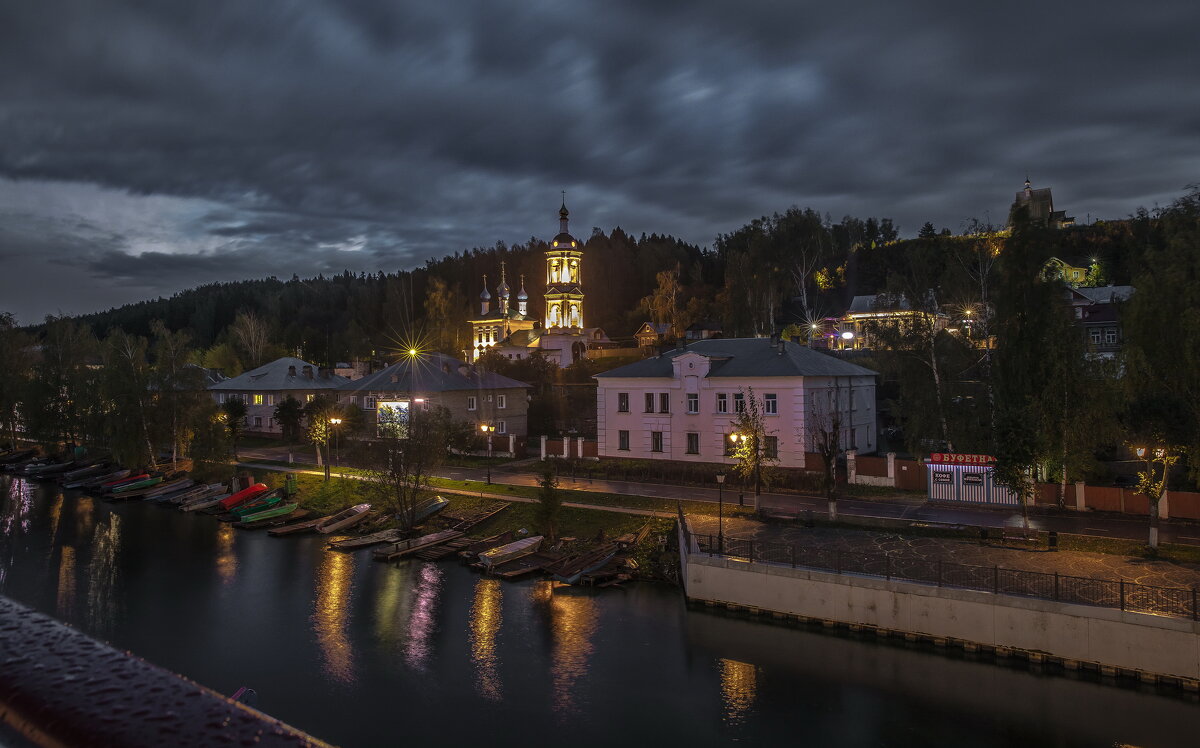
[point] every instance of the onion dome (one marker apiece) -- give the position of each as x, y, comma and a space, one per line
521, 295
485, 296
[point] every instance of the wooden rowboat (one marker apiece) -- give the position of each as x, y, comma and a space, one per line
363, 541
97, 480
207, 502
241, 497
514, 550
343, 519
272, 513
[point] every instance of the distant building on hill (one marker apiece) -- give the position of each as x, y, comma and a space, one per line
1040, 203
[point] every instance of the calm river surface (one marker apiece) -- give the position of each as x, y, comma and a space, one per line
361, 653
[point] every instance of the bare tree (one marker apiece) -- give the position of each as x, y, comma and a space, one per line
402, 459
253, 336
823, 426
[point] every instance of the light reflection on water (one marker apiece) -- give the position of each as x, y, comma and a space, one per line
422, 621
331, 614
486, 618
227, 561
573, 622
66, 583
102, 574
739, 687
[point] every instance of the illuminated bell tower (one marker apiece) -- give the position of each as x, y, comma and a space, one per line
564, 282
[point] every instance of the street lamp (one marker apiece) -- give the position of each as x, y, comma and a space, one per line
337, 444
737, 438
721, 512
487, 430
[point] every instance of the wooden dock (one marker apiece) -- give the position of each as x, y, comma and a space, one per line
441, 550
519, 567
471, 551
409, 547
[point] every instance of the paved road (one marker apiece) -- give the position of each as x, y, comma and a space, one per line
1128, 528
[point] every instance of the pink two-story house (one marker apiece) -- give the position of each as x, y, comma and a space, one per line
683, 404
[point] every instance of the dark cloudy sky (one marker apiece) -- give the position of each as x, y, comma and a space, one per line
147, 146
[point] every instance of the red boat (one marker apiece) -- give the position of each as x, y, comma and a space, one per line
241, 497
130, 479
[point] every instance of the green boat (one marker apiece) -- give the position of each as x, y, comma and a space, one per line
146, 483
254, 507
279, 511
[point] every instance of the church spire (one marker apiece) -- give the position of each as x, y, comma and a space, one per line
562, 215
522, 298
485, 298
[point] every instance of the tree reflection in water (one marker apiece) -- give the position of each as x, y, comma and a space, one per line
486, 619
102, 575
65, 603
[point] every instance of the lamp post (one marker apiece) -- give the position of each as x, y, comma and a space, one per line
721, 512
487, 430
737, 438
337, 444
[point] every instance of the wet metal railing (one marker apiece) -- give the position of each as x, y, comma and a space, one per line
59, 686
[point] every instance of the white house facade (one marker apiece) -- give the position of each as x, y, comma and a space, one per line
683, 404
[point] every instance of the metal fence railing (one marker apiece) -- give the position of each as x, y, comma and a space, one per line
1176, 602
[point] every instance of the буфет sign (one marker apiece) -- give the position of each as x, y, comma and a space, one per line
945, 458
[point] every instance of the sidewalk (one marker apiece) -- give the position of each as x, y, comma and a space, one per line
1125, 528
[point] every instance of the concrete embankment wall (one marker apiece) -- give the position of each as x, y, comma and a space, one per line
1076, 633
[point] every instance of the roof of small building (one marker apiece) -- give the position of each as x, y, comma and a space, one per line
275, 376
878, 302
434, 372
658, 328
1105, 294
746, 357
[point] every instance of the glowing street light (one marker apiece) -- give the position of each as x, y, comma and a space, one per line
487, 430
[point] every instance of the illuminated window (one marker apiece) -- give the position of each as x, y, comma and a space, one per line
623, 440
309, 397
770, 404
622, 402
258, 399
693, 443
656, 441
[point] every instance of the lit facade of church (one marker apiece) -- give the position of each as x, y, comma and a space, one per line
561, 335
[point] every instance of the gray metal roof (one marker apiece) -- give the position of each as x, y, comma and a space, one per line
1105, 294
275, 376
746, 358
434, 372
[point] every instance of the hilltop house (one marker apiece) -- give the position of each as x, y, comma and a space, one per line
478, 397
267, 386
683, 403
870, 312
1095, 310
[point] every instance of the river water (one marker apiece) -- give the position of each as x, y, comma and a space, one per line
361, 653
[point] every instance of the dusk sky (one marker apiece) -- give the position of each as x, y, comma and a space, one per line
150, 147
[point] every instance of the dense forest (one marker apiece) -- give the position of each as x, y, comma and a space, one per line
1023, 379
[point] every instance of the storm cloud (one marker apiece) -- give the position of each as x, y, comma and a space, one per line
148, 147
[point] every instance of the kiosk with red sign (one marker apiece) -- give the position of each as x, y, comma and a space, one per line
966, 479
